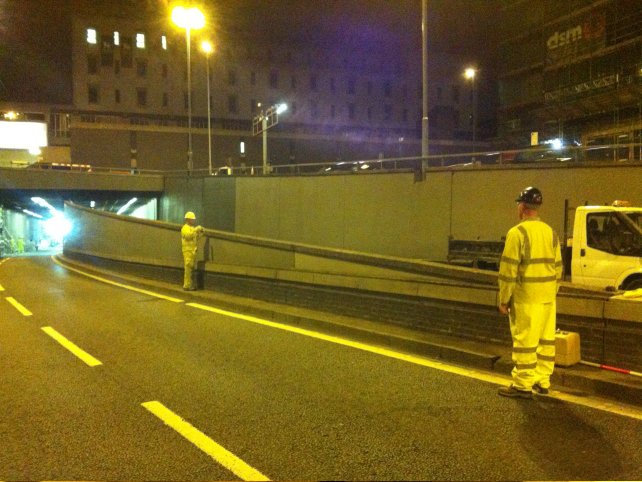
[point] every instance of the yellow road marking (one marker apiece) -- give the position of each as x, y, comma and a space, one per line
598, 404
18, 306
120, 285
1, 288
73, 348
223, 456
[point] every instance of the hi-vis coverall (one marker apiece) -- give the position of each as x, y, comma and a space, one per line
529, 274
189, 244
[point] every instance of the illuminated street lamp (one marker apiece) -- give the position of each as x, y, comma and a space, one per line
262, 122
207, 49
470, 74
189, 19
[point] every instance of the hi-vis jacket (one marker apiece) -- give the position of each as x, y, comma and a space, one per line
189, 238
531, 265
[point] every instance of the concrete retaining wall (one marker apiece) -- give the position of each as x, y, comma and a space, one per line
427, 295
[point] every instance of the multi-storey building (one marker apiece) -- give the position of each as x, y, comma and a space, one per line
572, 70
129, 103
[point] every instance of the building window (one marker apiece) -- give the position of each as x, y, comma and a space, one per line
439, 93
351, 111
141, 95
332, 111
404, 115
232, 104
92, 64
253, 78
164, 42
387, 89
116, 38
92, 36
93, 94
387, 112
274, 79
141, 67
117, 96
314, 109
369, 113
456, 94
333, 87
165, 99
231, 77
293, 82
352, 86
116, 67
369, 85
293, 108
164, 71
313, 82
140, 40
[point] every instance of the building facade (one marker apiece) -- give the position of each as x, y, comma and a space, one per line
346, 100
573, 71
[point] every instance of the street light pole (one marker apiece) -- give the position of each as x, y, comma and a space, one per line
189, 19
207, 48
262, 122
470, 73
190, 162
424, 56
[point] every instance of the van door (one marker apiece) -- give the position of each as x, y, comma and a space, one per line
611, 250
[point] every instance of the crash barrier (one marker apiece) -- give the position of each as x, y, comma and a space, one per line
434, 297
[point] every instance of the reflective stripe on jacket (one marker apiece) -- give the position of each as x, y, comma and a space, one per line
531, 265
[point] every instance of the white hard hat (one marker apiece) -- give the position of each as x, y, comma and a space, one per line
190, 215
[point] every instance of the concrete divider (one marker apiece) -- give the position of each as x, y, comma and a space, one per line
464, 298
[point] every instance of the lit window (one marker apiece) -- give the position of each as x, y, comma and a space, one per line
92, 36
140, 40
116, 38
164, 42
242, 148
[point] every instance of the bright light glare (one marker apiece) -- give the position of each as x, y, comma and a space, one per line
31, 213
469, 73
126, 206
281, 108
44, 204
556, 144
57, 227
207, 47
22, 135
188, 18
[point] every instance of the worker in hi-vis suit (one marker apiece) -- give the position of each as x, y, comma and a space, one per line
530, 272
189, 242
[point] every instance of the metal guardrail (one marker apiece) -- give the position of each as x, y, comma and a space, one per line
549, 156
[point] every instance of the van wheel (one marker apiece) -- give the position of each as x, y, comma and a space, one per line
634, 284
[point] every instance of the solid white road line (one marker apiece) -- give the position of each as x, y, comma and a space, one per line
598, 404
120, 285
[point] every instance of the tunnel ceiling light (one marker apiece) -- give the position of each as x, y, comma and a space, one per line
127, 205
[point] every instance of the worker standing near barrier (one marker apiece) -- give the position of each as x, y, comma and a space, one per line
530, 271
190, 235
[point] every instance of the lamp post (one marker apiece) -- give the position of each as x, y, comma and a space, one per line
262, 122
189, 19
470, 74
207, 48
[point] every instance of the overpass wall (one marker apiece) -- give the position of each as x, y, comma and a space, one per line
428, 296
391, 213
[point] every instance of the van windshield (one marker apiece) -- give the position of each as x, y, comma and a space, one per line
615, 232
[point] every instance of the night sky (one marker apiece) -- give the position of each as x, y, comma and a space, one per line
35, 40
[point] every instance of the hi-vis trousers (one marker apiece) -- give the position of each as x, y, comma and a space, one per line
189, 261
532, 327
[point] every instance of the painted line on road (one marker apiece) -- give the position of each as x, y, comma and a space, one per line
72, 347
120, 285
219, 453
18, 306
598, 404
1, 289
